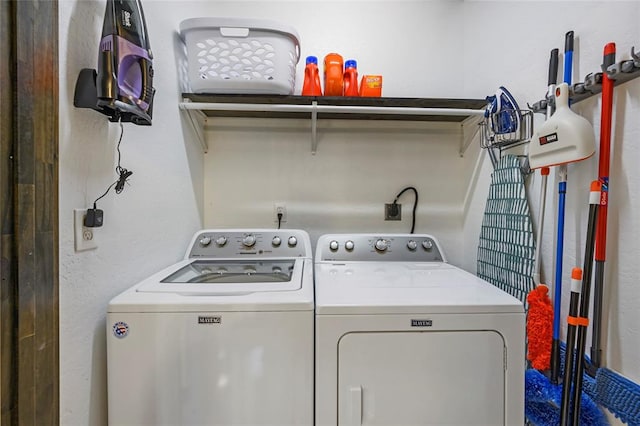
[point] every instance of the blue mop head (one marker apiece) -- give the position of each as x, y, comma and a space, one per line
618, 394
607, 389
542, 401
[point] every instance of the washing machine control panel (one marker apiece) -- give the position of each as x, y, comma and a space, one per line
379, 247
250, 243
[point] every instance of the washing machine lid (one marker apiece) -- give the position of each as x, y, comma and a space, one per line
406, 287
227, 277
260, 291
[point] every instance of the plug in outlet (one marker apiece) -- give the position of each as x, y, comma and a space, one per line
280, 208
393, 211
84, 238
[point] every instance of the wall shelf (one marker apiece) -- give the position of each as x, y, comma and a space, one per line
200, 107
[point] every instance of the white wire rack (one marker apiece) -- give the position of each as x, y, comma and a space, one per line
495, 136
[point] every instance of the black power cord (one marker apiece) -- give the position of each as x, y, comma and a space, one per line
94, 216
394, 206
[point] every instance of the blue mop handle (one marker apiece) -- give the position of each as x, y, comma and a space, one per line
557, 298
568, 57
562, 189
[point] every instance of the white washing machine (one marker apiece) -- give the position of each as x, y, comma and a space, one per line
403, 338
224, 337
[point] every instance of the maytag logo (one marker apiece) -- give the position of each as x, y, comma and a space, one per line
209, 320
553, 137
421, 323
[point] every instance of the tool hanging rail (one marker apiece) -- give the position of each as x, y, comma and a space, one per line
315, 108
620, 73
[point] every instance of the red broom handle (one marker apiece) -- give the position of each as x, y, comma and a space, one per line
605, 149
601, 226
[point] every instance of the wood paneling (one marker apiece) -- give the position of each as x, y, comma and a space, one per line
29, 212
8, 366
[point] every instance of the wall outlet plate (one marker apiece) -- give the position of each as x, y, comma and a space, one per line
390, 214
280, 208
84, 238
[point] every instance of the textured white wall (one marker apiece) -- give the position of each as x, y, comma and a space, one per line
424, 49
359, 165
146, 227
344, 186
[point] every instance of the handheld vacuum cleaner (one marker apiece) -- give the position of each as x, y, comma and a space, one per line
122, 86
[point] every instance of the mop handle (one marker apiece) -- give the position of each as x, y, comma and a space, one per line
557, 296
568, 57
594, 204
544, 171
605, 149
572, 322
609, 58
551, 82
553, 68
562, 189
557, 293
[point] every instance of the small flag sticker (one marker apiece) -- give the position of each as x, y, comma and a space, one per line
120, 329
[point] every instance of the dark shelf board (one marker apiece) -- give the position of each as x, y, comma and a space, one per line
444, 103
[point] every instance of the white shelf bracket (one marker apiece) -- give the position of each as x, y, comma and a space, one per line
467, 134
198, 120
314, 127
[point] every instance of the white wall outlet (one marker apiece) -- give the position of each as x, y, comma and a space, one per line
84, 238
280, 208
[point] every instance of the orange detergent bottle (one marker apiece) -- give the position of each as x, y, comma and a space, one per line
333, 83
311, 85
350, 78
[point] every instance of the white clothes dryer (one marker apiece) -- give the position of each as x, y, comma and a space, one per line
224, 337
404, 338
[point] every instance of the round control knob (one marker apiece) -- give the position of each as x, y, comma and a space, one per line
221, 241
249, 240
292, 241
333, 245
349, 245
427, 244
276, 241
205, 241
412, 245
382, 245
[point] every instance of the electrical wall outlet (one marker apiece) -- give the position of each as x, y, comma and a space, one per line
393, 211
280, 208
84, 238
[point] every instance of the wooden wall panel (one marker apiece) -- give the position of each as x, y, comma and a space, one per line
8, 359
30, 360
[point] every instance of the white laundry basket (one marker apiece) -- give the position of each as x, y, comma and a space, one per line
234, 55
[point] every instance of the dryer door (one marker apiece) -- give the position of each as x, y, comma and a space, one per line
421, 378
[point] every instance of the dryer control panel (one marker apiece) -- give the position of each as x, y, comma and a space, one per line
250, 243
378, 248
